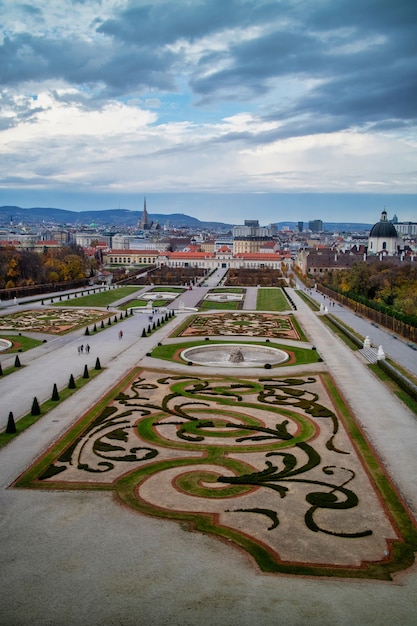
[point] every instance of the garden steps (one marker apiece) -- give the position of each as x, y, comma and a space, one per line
370, 354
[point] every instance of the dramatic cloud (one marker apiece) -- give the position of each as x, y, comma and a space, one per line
237, 96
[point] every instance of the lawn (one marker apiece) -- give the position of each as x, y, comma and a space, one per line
271, 299
20, 343
143, 303
302, 355
103, 298
230, 306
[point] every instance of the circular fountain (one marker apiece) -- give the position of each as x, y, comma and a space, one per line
234, 355
5, 344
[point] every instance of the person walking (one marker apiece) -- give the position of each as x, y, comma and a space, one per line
121, 334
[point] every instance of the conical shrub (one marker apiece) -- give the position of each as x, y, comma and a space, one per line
17, 361
1, 370
143, 333
87, 332
109, 322
71, 383
102, 324
95, 328
55, 394
115, 319
11, 426
98, 364
86, 374
35, 410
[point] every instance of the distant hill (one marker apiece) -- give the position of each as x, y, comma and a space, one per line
108, 218
112, 218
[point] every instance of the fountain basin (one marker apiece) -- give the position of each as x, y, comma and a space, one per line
5, 344
224, 355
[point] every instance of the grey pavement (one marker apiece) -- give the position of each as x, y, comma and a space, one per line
82, 559
394, 346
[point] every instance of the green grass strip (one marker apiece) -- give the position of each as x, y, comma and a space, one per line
271, 299
103, 298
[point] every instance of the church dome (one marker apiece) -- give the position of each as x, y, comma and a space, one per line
383, 228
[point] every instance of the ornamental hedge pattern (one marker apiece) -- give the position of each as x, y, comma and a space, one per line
278, 466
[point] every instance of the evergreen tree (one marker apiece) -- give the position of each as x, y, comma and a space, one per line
55, 394
86, 374
11, 426
36, 410
71, 383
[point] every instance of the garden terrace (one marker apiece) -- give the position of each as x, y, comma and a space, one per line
277, 466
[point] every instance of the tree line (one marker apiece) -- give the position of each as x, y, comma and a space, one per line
387, 287
21, 268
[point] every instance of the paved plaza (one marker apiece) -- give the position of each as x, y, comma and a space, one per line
81, 557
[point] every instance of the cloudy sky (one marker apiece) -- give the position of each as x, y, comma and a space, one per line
223, 109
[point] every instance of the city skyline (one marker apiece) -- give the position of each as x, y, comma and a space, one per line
225, 111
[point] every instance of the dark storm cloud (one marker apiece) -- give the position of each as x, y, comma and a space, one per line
166, 23
357, 59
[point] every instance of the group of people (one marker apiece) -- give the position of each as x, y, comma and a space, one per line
82, 349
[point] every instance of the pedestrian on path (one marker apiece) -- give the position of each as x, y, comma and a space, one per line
121, 334
87, 349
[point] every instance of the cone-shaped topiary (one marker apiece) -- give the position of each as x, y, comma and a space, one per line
102, 324
1, 370
109, 322
87, 332
86, 374
55, 394
158, 323
149, 329
115, 319
36, 410
17, 361
143, 333
11, 426
121, 316
126, 313
71, 383
131, 311
95, 328
153, 326
98, 365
